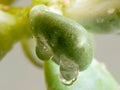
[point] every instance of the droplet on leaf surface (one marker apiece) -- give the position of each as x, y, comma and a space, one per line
68, 71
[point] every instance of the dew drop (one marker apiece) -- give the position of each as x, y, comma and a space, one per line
43, 50
68, 71
41, 42
67, 82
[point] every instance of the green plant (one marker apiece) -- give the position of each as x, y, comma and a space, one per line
62, 33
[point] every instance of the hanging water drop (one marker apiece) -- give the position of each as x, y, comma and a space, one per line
43, 50
68, 71
66, 82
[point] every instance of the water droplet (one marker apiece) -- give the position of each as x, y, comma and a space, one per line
68, 71
66, 82
41, 42
43, 50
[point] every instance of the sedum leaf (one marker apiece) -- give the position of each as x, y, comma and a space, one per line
96, 77
6, 39
13, 27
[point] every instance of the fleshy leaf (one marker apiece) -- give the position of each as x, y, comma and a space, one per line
13, 27
6, 40
60, 38
96, 77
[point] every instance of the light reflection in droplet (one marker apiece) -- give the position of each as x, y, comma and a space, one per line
68, 71
67, 82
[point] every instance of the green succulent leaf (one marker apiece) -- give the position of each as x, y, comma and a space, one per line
96, 77
60, 38
63, 40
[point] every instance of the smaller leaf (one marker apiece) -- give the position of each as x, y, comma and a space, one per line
7, 21
14, 26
